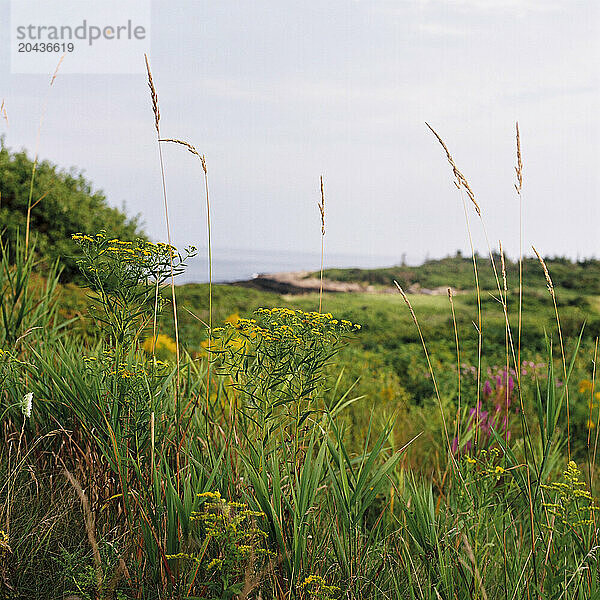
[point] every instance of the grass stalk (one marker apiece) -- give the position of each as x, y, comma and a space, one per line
90, 527
36, 153
156, 111
321, 206
192, 149
562, 347
210, 282
3, 113
506, 337
456, 339
429, 365
598, 420
518, 188
462, 184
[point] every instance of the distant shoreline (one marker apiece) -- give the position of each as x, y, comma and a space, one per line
304, 282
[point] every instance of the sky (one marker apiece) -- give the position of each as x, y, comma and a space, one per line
277, 93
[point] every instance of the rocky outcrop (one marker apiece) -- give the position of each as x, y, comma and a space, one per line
300, 282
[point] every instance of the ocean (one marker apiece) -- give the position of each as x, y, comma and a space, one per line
244, 264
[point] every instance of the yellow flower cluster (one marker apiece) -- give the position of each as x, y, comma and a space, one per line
140, 252
287, 325
215, 563
313, 320
80, 237
159, 344
275, 333
121, 250
573, 504
4, 547
316, 587
229, 529
212, 495
311, 579
487, 458
182, 555
587, 387
124, 373
232, 319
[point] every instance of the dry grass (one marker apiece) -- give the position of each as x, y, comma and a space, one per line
429, 366
462, 184
36, 153
193, 150
156, 111
550, 286
519, 167
90, 526
519, 188
153, 97
321, 206
3, 113
460, 180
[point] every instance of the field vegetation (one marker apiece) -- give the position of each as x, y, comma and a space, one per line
202, 441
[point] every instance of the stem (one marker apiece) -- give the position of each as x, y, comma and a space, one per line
209, 285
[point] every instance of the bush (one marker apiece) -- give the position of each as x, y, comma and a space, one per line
63, 202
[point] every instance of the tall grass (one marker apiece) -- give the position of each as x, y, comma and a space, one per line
30, 204
156, 112
321, 206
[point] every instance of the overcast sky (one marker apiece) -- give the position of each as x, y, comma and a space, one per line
277, 93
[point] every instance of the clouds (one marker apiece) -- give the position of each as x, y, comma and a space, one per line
277, 93
520, 6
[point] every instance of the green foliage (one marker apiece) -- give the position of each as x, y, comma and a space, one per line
570, 503
232, 552
26, 306
383, 360
79, 573
315, 587
278, 364
330, 495
125, 278
67, 203
457, 271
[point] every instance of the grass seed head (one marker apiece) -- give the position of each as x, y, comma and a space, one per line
56, 70
321, 206
503, 263
519, 167
460, 181
153, 96
546, 273
3, 113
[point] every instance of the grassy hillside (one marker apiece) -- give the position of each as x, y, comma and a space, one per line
289, 442
457, 271
384, 360
54, 204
